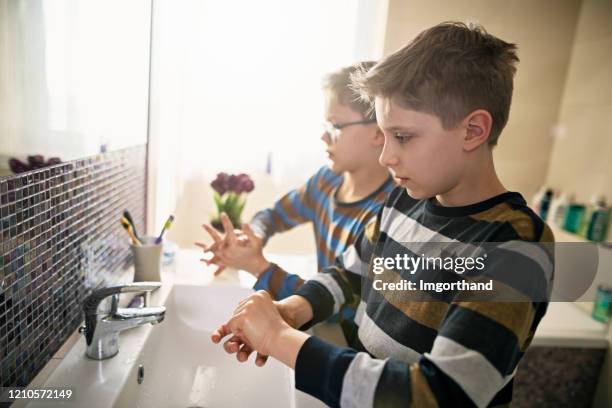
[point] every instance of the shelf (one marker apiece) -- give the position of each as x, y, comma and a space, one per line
562, 235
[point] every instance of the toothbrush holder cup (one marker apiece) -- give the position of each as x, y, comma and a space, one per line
147, 260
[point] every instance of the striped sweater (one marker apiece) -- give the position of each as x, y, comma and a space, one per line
452, 350
336, 224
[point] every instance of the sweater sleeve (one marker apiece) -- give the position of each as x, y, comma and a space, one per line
278, 282
294, 208
340, 283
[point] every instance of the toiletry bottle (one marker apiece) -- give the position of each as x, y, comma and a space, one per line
598, 224
586, 219
558, 209
545, 204
537, 199
573, 217
602, 304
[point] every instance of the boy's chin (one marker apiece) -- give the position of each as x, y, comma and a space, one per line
336, 167
416, 194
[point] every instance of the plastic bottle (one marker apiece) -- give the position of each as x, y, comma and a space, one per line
573, 217
598, 224
537, 200
545, 204
558, 209
588, 213
603, 301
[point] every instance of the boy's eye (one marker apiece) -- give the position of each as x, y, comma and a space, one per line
402, 137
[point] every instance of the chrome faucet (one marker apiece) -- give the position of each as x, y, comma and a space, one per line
104, 319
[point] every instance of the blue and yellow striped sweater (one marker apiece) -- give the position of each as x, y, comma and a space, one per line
452, 350
335, 224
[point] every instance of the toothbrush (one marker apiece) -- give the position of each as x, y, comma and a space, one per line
128, 227
167, 226
128, 216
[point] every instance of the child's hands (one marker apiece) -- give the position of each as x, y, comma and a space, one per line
294, 310
240, 249
257, 325
253, 324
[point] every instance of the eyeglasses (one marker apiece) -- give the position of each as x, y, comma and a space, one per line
333, 129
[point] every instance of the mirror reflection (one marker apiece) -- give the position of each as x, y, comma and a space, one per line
74, 79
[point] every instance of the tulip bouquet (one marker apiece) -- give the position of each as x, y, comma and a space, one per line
230, 192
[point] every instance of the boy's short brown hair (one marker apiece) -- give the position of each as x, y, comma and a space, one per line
338, 83
448, 70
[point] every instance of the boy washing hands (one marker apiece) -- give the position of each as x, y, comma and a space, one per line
442, 102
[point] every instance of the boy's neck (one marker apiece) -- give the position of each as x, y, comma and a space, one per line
479, 183
357, 185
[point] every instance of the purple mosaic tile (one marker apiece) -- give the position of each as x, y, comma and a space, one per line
60, 237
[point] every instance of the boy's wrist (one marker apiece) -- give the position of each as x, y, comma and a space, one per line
286, 344
296, 310
259, 266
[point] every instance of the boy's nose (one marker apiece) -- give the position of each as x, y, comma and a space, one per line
326, 137
388, 158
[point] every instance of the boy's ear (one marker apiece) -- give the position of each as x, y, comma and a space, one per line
478, 128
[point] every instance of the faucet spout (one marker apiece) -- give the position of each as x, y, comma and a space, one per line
125, 319
104, 319
132, 313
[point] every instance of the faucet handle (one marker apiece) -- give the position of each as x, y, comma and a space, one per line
93, 301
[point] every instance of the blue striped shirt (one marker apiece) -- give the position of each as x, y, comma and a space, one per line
335, 224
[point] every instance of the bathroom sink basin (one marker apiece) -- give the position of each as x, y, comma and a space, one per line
176, 361
181, 367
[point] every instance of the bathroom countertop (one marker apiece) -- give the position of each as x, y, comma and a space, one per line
567, 325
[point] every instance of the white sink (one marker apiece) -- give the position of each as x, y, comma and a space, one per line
182, 367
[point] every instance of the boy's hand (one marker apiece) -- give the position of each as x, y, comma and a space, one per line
242, 250
257, 325
295, 311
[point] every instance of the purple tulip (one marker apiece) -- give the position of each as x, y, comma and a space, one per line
36, 161
246, 185
17, 166
238, 184
221, 183
233, 183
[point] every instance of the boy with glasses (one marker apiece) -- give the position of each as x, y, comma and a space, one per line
338, 199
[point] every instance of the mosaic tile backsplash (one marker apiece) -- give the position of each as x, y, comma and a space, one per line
60, 237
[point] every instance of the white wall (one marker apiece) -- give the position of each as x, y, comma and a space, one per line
580, 159
544, 32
